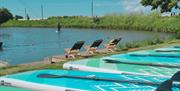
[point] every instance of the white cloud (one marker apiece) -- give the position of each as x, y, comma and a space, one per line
125, 5
134, 6
106, 4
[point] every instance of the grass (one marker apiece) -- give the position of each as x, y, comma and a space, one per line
141, 45
22, 68
150, 22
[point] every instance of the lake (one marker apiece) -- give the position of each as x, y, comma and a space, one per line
25, 45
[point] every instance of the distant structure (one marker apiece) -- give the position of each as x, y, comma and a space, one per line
18, 17
27, 16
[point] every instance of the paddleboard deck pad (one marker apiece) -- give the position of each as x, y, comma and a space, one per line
30, 80
98, 65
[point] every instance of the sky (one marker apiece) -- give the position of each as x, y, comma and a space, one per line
72, 7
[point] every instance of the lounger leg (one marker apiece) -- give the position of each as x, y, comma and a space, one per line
112, 50
73, 56
51, 60
91, 52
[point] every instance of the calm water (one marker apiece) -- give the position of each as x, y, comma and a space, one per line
24, 45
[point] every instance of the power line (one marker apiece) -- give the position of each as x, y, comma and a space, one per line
28, 8
92, 8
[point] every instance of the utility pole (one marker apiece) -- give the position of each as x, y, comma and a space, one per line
0, 3
42, 12
92, 8
25, 14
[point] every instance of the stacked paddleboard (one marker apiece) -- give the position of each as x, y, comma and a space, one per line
63, 80
148, 62
136, 71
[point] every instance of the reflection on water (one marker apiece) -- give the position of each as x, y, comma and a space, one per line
24, 45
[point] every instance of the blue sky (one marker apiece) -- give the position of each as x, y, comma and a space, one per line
71, 7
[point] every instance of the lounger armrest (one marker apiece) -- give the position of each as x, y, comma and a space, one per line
109, 46
69, 51
87, 47
106, 45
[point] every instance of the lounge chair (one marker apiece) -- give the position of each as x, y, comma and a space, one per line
74, 51
93, 47
111, 46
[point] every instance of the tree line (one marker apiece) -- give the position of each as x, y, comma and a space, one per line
162, 5
5, 15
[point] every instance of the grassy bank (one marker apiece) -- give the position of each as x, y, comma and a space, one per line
141, 45
151, 22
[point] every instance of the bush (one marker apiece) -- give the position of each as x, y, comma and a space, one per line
137, 44
16, 17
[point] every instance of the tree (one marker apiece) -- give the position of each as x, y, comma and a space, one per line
5, 15
163, 5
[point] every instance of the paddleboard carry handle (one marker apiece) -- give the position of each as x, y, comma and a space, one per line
138, 63
45, 75
154, 55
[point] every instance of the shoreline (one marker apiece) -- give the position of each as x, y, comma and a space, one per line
59, 63
114, 22
175, 33
47, 59
101, 28
3, 63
